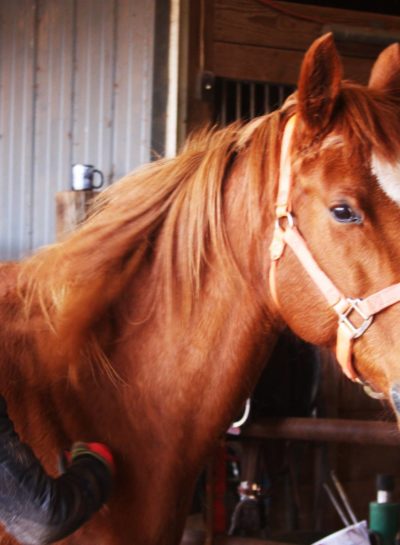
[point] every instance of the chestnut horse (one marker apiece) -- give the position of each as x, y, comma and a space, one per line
147, 328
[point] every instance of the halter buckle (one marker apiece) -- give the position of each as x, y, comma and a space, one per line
284, 220
283, 215
344, 318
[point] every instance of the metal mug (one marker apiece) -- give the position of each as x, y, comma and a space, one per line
83, 177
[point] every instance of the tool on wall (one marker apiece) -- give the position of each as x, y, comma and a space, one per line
346, 513
354, 532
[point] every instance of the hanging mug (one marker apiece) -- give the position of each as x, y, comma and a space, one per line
83, 177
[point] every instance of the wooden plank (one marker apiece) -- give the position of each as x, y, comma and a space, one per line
208, 20
198, 538
71, 210
274, 65
199, 112
231, 540
160, 78
251, 23
360, 432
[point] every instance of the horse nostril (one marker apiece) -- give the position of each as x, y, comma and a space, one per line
395, 395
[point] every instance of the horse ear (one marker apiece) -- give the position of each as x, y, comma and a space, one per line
385, 74
319, 83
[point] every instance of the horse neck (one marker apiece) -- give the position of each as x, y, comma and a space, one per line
17, 331
184, 385
220, 348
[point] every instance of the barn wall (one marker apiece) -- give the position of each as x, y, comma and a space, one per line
257, 41
76, 83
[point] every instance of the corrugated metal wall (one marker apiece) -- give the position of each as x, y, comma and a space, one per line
75, 87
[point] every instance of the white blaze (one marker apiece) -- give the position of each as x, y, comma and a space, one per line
388, 176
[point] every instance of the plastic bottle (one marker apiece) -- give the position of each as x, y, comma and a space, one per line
384, 515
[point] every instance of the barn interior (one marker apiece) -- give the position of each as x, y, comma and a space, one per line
278, 477
249, 57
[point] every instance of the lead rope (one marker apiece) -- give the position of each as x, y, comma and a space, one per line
285, 233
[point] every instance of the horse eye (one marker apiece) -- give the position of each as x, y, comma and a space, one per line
343, 213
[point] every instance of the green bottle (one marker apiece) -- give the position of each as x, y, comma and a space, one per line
384, 515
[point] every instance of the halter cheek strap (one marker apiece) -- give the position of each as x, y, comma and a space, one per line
354, 315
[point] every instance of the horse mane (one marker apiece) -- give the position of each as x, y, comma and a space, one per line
168, 213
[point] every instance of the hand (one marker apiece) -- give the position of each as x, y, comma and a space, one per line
97, 450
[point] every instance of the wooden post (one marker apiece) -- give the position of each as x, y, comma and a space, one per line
210, 497
71, 210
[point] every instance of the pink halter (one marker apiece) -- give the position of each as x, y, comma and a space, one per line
345, 307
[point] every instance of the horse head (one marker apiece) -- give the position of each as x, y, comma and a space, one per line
340, 215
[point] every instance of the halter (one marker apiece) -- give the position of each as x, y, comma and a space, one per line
346, 308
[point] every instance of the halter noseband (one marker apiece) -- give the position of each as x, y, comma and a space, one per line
347, 308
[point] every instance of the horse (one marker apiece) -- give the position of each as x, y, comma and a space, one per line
148, 326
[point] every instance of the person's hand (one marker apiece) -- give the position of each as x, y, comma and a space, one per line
96, 450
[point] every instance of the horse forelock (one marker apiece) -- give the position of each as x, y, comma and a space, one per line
168, 214
362, 118
370, 120
365, 127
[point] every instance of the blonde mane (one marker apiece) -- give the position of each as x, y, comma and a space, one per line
169, 213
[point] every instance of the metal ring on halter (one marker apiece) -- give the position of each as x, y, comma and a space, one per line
285, 216
344, 318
